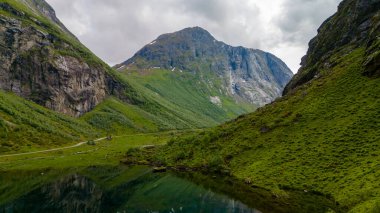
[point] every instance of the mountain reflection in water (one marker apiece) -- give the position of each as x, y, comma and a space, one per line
122, 190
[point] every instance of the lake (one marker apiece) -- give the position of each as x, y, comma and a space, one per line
138, 189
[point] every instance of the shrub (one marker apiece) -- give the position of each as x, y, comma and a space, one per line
91, 143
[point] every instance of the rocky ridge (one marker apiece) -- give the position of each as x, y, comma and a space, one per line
41, 61
246, 74
356, 24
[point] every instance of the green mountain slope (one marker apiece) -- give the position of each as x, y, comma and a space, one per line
182, 93
202, 80
245, 75
322, 137
117, 117
31, 40
44, 63
24, 123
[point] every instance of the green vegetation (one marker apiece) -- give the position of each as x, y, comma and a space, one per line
323, 138
29, 17
149, 103
98, 152
36, 170
185, 97
27, 126
116, 117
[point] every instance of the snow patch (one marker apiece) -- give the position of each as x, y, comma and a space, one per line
153, 42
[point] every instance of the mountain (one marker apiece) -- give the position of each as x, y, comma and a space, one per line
322, 137
247, 75
42, 61
355, 26
43, 8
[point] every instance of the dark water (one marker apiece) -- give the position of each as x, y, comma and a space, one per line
135, 189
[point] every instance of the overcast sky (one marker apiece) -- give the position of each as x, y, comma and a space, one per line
116, 29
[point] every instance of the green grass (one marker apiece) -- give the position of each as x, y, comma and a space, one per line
76, 49
117, 117
185, 96
180, 105
25, 125
323, 138
35, 170
105, 152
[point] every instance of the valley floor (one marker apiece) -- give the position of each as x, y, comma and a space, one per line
104, 152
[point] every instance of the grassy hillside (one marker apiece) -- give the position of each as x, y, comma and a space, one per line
30, 17
26, 125
114, 116
324, 137
182, 105
187, 95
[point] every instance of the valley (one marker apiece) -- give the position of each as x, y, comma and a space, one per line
103, 152
188, 123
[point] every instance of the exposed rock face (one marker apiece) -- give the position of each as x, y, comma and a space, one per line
356, 24
41, 66
30, 68
247, 74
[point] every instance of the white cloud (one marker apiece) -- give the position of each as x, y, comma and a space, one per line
116, 29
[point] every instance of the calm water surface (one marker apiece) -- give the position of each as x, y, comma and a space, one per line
134, 189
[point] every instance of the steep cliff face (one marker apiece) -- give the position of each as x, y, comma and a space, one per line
41, 61
356, 24
246, 74
31, 68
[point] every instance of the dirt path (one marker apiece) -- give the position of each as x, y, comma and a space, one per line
82, 143
50, 150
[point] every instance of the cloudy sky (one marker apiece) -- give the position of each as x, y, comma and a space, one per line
116, 29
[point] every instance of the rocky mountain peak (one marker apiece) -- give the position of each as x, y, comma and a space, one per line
178, 49
247, 74
196, 34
